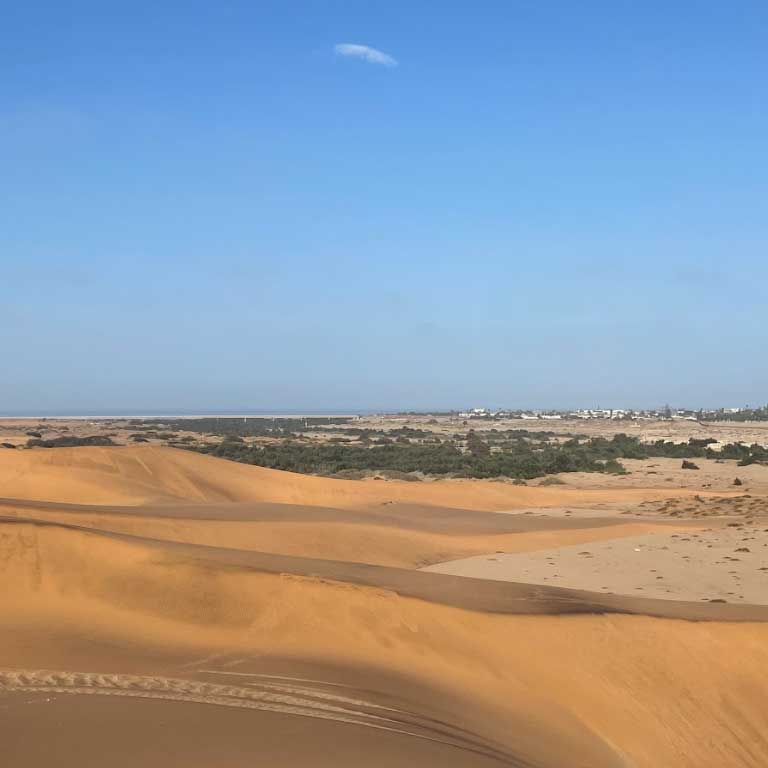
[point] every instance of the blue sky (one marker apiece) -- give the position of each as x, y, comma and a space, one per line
535, 204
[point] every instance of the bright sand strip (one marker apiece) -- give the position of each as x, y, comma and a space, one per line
724, 563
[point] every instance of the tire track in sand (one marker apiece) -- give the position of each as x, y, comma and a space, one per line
279, 695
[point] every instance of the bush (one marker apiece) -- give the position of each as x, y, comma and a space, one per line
70, 441
614, 467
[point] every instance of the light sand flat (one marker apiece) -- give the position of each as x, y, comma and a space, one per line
722, 564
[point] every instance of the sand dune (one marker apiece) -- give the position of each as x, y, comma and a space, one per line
547, 686
397, 535
145, 474
180, 496
257, 612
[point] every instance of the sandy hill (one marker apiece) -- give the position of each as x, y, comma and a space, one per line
138, 475
168, 606
408, 536
128, 618
181, 496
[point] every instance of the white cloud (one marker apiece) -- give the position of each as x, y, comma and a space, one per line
366, 53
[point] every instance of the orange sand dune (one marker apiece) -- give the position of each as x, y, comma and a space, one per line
252, 612
397, 535
526, 690
145, 474
182, 496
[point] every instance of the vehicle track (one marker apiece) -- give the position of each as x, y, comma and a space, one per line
265, 693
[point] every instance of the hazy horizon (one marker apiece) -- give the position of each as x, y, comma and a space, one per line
292, 412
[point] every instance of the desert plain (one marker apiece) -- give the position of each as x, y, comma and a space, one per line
162, 607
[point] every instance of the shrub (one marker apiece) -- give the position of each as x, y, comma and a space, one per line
70, 441
553, 480
614, 467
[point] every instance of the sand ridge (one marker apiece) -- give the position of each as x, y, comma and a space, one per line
494, 595
137, 475
389, 534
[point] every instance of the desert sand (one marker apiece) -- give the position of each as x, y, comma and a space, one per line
163, 608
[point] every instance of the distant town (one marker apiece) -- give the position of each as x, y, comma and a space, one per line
720, 414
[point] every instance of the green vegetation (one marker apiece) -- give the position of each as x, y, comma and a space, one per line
523, 462
477, 455
257, 426
746, 414
70, 442
552, 480
352, 451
